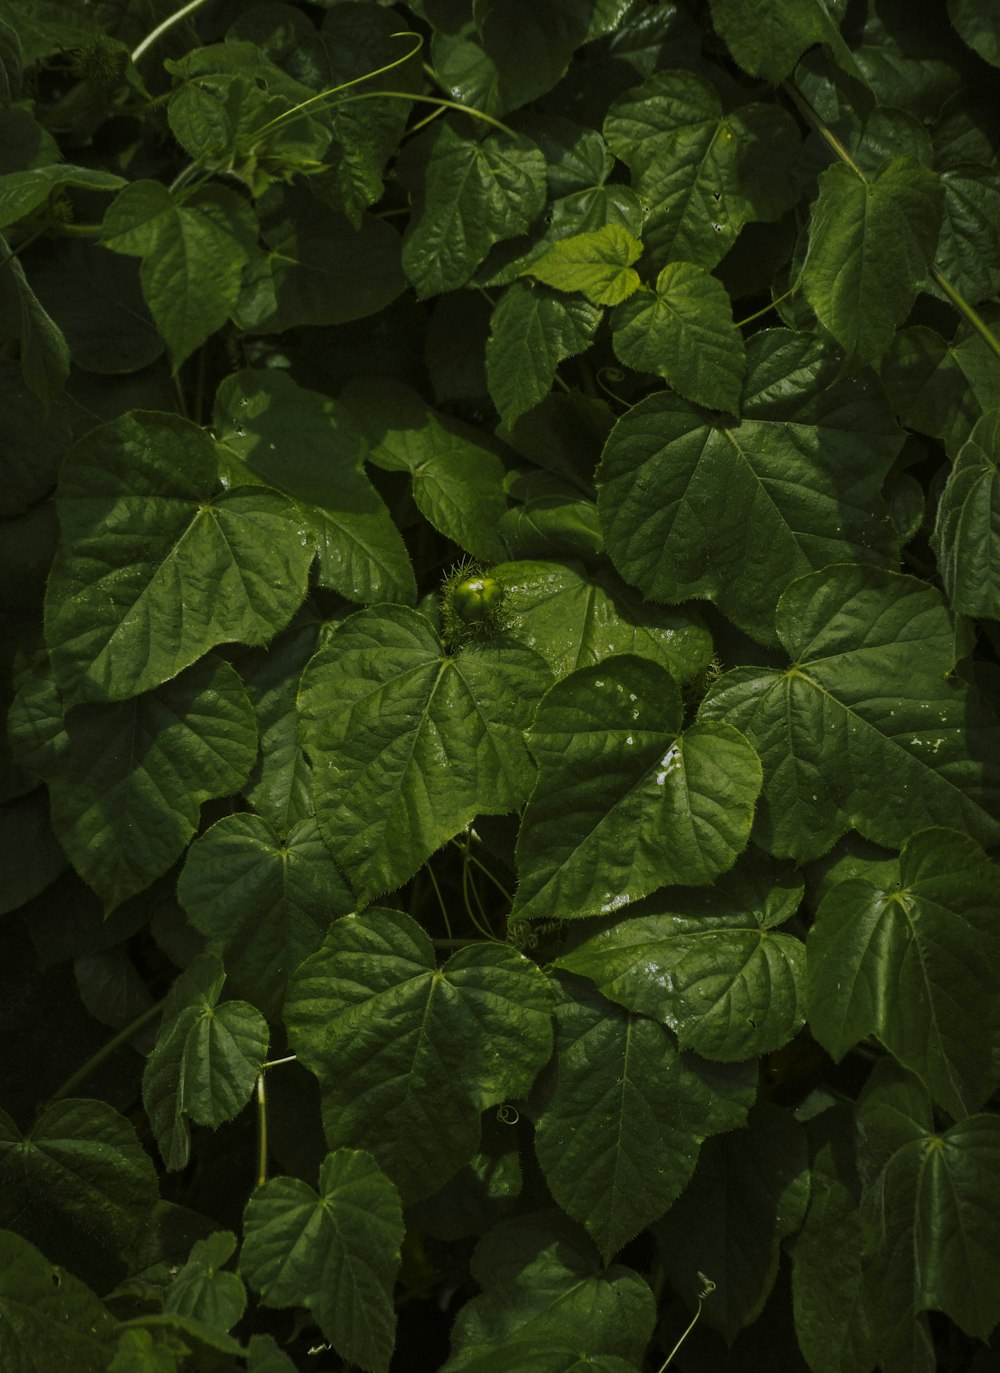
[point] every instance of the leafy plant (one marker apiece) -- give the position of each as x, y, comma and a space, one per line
500, 582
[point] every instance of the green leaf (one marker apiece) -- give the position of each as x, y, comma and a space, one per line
308, 446
975, 26
969, 243
321, 268
335, 1252
268, 899
206, 1059
572, 617
701, 174
871, 244
683, 331
933, 1214
624, 1115
470, 196
408, 1055
193, 254
542, 1280
767, 37
598, 265
457, 480
78, 1184
868, 729
828, 1291
712, 966
48, 1318
967, 529
694, 505
34, 443
22, 192
202, 1291
624, 801
915, 963
126, 781
750, 1191
44, 354
30, 855
531, 45
155, 568
410, 742
939, 388
531, 332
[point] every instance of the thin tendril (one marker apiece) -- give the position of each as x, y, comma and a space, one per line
614, 374
161, 29
437, 891
708, 1287
297, 110
767, 308
494, 879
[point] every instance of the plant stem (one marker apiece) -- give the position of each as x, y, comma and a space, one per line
95, 1060
767, 308
161, 29
261, 1131
967, 311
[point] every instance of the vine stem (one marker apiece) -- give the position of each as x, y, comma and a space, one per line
161, 29
95, 1060
816, 121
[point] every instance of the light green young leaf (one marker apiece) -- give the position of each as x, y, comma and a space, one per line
713, 966
48, 1317
683, 331
871, 244
155, 568
572, 616
78, 1184
694, 505
409, 1055
335, 1252
202, 1290
193, 254
470, 196
409, 742
532, 330
624, 802
126, 781
269, 899
624, 1115
598, 265
542, 1280
915, 963
307, 445
767, 37
205, 1061
869, 729
934, 1215
967, 531
457, 480
750, 1191
702, 174
22, 192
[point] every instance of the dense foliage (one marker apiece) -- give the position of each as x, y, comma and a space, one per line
500, 576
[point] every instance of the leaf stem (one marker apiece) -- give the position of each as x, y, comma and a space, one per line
437, 891
161, 29
965, 309
261, 1130
95, 1060
767, 308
